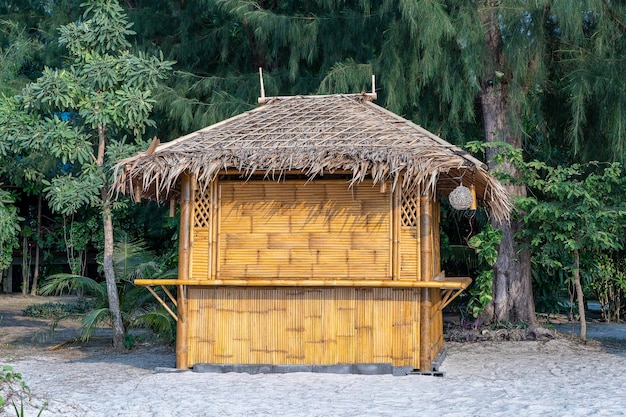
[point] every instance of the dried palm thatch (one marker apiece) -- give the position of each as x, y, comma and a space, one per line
314, 136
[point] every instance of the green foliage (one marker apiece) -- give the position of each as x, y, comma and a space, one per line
609, 285
137, 305
570, 208
102, 30
485, 244
11, 384
16, 50
104, 91
59, 310
581, 208
68, 194
9, 228
550, 288
12, 387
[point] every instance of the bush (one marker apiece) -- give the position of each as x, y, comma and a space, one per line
609, 286
59, 310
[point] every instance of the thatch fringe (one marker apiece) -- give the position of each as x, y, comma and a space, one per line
315, 136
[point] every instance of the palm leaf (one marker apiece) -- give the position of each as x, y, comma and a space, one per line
61, 283
92, 320
159, 321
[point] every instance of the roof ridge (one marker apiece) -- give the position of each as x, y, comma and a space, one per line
362, 96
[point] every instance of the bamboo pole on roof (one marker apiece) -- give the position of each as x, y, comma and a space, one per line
426, 275
184, 250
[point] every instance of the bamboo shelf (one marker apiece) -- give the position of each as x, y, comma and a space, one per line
450, 287
448, 283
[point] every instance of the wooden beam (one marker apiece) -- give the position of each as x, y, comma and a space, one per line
169, 294
160, 300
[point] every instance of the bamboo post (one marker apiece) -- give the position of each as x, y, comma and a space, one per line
395, 234
215, 234
214, 230
426, 275
184, 252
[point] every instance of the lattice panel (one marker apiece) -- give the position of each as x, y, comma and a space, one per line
202, 210
409, 211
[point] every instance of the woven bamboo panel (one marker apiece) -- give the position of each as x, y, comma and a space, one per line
303, 326
202, 210
410, 209
293, 229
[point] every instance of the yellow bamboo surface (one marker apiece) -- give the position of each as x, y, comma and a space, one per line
315, 230
436, 322
304, 325
299, 230
453, 283
409, 253
435, 236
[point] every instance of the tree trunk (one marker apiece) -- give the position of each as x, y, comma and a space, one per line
25, 265
512, 285
579, 296
33, 290
109, 275
107, 261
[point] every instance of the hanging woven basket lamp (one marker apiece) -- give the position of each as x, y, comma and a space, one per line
463, 198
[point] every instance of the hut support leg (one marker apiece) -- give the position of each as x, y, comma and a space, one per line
426, 271
184, 254
182, 347
425, 347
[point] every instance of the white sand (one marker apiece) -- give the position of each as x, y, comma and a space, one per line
552, 378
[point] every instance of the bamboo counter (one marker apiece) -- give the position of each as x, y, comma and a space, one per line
297, 321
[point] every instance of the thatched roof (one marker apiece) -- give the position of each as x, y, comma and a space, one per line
314, 135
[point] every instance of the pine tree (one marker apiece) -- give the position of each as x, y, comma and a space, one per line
498, 54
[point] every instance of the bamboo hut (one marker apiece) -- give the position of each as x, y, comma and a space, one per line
309, 234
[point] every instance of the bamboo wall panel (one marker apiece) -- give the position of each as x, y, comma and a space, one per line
304, 326
293, 229
409, 253
199, 262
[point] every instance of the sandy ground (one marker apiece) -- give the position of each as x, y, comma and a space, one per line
557, 377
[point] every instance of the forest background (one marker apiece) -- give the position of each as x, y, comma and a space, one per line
535, 88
